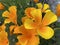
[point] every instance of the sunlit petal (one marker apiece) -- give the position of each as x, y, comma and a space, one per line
5, 14
49, 18
46, 6
29, 24
7, 21
46, 32
39, 5
37, 15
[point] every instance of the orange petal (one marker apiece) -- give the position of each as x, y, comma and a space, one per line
58, 9
28, 11
36, 1
49, 18
1, 6
17, 30
22, 40
2, 28
34, 39
12, 27
24, 18
13, 10
24, 31
46, 32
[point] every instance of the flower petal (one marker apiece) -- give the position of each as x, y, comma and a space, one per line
13, 10
34, 39
46, 6
24, 18
58, 9
49, 18
1, 6
39, 5
46, 32
28, 11
37, 15
16, 30
22, 40
7, 21
5, 14
29, 24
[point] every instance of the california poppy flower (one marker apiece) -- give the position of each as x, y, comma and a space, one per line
28, 37
43, 7
58, 10
41, 24
36, 1
11, 15
14, 29
3, 38
1, 6
2, 27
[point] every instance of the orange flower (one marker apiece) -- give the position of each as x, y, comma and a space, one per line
36, 1
3, 38
2, 27
28, 37
1, 6
14, 29
41, 24
58, 9
11, 15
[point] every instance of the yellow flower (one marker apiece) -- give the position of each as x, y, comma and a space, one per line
58, 9
3, 38
41, 24
44, 8
1, 6
28, 37
11, 15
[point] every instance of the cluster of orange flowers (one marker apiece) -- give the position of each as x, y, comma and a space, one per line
33, 25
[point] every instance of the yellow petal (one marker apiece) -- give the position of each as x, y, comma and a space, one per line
46, 32
7, 21
46, 6
28, 11
39, 5
29, 24
47, 11
37, 15
5, 14
49, 18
